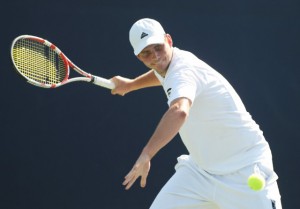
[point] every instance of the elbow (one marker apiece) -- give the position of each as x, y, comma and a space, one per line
181, 113
181, 108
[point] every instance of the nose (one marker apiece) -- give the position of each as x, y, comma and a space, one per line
155, 54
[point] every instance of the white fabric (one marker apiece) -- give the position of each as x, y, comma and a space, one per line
219, 133
193, 188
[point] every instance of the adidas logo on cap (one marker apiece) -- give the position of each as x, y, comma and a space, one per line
144, 35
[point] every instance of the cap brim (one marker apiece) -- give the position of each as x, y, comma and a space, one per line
158, 39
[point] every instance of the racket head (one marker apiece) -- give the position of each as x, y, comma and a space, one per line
40, 62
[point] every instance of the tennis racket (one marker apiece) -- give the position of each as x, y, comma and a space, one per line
42, 64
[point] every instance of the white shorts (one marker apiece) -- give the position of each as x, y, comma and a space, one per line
191, 187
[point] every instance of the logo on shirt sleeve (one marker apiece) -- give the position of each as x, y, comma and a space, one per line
169, 91
273, 204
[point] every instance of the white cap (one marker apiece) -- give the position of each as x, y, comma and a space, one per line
145, 32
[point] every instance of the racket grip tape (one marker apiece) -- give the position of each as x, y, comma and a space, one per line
103, 82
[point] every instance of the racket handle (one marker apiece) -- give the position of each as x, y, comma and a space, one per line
103, 82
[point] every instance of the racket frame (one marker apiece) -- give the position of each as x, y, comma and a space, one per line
67, 62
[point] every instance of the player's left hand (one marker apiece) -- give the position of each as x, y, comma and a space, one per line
140, 169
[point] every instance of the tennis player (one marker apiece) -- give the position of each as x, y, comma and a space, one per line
225, 144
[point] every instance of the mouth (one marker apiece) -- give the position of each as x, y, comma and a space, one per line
157, 62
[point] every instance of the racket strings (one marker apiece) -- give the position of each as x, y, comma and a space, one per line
38, 62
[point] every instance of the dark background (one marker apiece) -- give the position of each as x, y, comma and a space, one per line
70, 148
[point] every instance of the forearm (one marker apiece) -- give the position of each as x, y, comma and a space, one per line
126, 85
166, 130
145, 80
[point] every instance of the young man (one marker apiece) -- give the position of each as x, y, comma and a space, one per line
225, 144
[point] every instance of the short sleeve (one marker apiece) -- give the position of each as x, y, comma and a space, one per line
181, 84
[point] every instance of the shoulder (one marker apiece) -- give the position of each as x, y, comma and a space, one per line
184, 59
181, 55
185, 65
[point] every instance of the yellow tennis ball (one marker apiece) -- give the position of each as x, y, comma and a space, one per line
256, 182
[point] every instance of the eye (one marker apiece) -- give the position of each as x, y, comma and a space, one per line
145, 54
158, 47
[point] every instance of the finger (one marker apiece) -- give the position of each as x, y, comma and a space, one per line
113, 91
127, 180
144, 177
143, 181
128, 183
128, 186
132, 172
129, 177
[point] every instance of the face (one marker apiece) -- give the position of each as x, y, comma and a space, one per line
158, 56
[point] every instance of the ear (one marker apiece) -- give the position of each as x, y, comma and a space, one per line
169, 40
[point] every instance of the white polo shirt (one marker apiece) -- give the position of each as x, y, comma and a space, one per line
219, 133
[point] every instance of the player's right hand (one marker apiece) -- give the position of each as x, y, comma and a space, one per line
122, 85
